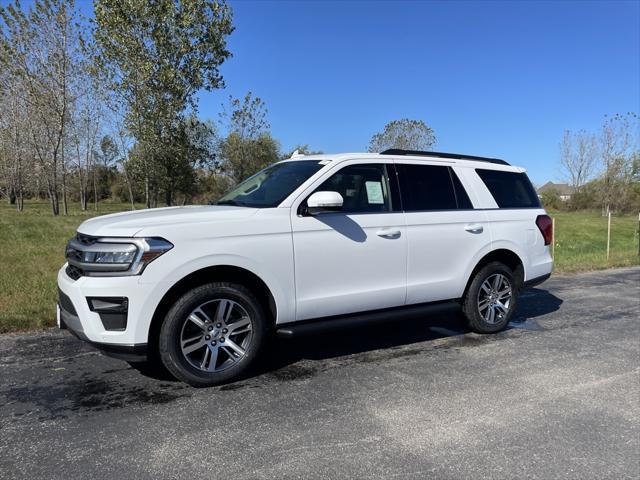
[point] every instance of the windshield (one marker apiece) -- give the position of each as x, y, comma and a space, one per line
269, 187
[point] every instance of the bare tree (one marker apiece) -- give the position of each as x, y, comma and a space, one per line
618, 146
40, 49
14, 154
578, 156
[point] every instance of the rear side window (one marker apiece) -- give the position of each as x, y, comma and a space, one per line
431, 187
510, 189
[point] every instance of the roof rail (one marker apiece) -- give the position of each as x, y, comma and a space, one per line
455, 156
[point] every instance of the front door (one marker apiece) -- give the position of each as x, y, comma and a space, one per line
353, 260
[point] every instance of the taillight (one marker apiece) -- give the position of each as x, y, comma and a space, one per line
545, 224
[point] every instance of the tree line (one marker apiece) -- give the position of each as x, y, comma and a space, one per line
106, 107
603, 167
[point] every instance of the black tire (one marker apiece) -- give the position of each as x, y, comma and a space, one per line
169, 343
476, 320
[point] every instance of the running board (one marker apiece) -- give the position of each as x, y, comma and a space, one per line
310, 327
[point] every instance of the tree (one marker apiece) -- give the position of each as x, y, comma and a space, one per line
578, 155
302, 149
14, 143
40, 51
155, 56
551, 200
108, 152
244, 157
405, 134
85, 136
618, 147
248, 147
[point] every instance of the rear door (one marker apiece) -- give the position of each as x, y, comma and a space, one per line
355, 259
444, 231
513, 222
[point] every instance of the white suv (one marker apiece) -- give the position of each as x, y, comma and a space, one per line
305, 242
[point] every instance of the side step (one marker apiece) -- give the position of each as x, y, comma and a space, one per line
310, 327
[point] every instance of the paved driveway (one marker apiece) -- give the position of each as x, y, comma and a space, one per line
555, 396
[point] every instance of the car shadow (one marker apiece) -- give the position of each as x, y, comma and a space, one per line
344, 225
399, 330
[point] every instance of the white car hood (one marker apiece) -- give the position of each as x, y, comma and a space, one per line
128, 224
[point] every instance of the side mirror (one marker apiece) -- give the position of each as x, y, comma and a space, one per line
321, 202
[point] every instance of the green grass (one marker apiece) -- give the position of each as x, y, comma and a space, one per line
33, 250
581, 241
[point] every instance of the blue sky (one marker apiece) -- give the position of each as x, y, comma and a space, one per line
500, 79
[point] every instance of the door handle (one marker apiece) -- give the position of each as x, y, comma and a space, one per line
388, 233
474, 228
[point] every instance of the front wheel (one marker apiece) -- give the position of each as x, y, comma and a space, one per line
212, 334
490, 300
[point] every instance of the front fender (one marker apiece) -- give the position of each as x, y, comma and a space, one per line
285, 303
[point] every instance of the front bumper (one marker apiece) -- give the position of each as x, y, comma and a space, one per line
68, 320
76, 313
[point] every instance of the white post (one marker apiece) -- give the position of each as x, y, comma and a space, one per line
553, 237
608, 234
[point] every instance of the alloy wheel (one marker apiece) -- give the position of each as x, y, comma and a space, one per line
216, 335
494, 298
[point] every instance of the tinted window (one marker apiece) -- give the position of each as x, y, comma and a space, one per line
364, 188
510, 189
430, 187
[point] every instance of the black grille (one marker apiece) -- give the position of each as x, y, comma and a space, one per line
74, 254
74, 272
65, 303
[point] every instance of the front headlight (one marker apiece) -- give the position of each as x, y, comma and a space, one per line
96, 256
121, 256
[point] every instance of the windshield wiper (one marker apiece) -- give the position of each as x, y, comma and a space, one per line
230, 202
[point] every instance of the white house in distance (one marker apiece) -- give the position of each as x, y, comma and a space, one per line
563, 190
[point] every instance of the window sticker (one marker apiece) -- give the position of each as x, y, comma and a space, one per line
374, 193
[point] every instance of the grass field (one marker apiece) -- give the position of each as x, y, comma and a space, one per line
33, 250
581, 241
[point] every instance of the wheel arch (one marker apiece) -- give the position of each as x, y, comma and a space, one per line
503, 255
226, 273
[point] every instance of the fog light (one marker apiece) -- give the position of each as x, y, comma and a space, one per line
108, 304
112, 311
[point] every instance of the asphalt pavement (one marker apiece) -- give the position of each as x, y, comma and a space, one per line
555, 396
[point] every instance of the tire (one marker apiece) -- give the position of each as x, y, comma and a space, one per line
486, 307
212, 334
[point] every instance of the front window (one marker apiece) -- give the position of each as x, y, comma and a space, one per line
364, 188
269, 187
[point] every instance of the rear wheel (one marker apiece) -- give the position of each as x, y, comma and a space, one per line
212, 334
490, 300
